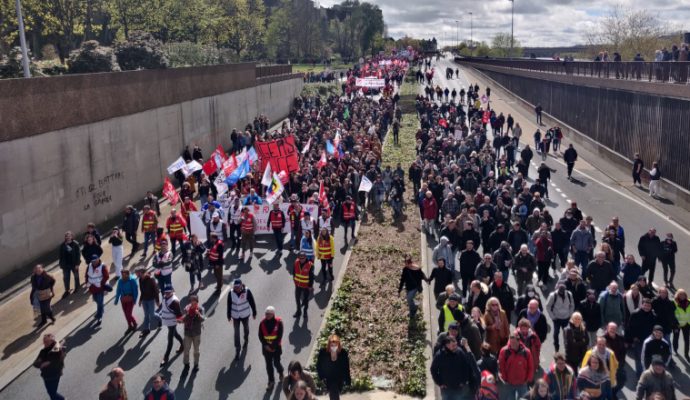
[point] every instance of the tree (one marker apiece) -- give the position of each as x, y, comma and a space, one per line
92, 57
628, 32
140, 51
501, 46
64, 20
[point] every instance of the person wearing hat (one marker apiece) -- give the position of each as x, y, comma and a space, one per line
115, 241
349, 216
270, 336
303, 276
115, 388
276, 221
149, 300
97, 276
218, 226
656, 380
162, 262
216, 260
640, 326
247, 228
240, 306
453, 331
171, 314
656, 345
451, 311
176, 226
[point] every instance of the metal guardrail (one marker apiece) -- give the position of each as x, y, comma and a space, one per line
272, 70
660, 72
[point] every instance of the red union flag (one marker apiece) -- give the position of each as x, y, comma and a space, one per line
169, 192
215, 162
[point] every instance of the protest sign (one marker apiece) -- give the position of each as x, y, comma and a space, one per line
280, 153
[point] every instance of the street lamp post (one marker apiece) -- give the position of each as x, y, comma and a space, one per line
512, 24
457, 44
471, 34
22, 40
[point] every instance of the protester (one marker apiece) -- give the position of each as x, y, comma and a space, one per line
240, 306
297, 374
333, 367
159, 389
411, 279
127, 292
97, 279
271, 336
171, 315
149, 300
42, 284
51, 362
69, 261
115, 388
454, 371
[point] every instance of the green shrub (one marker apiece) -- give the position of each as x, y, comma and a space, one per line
92, 57
140, 51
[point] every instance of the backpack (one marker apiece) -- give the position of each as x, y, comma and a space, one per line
488, 390
568, 295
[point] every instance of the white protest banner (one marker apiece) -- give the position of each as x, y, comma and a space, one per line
196, 225
191, 168
261, 214
268, 176
370, 82
220, 184
365, 185
275, 189
176, 166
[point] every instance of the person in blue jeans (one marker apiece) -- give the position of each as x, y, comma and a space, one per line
50, 361
411, 278
149, 300
97, 278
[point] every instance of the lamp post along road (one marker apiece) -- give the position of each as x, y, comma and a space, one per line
471, 35
457, 44
512, 25
22, 40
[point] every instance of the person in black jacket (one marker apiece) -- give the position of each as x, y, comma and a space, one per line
130, 224
333, 367
570, 157
640, 326
534, 314
561, 244
649, 247
469, 259
455, 371
42, 290
503, 293
669, 248
70, 258
51, 361
591, 314
665, 310
523, 301
476, 297
411, 278
656, 345
441, 276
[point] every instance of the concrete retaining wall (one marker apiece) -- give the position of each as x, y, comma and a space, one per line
62, 179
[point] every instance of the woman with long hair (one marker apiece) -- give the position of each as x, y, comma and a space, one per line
576, 340
333, 367
497, 325
594, 379
478, 319
540, 391
301, 391
683, 317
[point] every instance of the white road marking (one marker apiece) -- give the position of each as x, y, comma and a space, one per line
558, 190
567, 200
563, 195
596, 228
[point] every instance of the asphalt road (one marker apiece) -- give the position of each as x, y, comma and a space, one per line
600, 197
92, 352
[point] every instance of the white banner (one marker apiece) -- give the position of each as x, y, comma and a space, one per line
191, 168
220, 184
176, 166
196, 225
370, 82
261, 214
365, 184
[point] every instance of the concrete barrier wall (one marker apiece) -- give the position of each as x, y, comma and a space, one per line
62, 179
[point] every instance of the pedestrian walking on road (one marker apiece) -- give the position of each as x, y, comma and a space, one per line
455, 371
149, 226
650, 248
669, 248
515, 369
570, 157
594, 379
560, 305
91, 247
333, 367
193, 320
638, 167
42, 284
115, 388
51, 362
303, 276
149, 300
497, 325
240, 306
193, 251
163, 264
276, 221
117, 251
247, 229
325, 251
216, 260
70, 258
127, 292
538, 111
159, 390
97, 280
130, 224
171, 315
271, 336
411, 278
683, 316
176, 226
297, 374
654, 179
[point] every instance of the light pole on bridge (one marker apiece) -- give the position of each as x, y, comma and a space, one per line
471, 34
22, 40
512, 24
457, 44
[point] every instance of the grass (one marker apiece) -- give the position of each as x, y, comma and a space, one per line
321, 89
300, 68
367, 311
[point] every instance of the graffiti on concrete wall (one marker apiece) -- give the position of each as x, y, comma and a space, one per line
98, 192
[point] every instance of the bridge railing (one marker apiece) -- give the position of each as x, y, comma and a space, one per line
661, 72
272, 70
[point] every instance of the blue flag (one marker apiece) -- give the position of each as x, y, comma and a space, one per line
240, 172
253, 157
329, 147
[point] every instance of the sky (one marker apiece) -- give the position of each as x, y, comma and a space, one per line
538, 23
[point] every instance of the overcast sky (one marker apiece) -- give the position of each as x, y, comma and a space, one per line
537, 22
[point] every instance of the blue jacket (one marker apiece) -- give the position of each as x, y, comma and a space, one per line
255, 199
127, 288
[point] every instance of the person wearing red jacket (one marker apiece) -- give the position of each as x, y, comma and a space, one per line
247, 228
429, 212
149, 226
515, 369
97, 278
530, 339
349, 217
176, 226
276, 221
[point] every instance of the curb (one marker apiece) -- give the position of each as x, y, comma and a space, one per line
427, 309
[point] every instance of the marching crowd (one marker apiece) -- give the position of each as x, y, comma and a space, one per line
339, 140
493, 227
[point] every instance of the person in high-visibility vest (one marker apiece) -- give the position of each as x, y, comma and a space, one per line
247, 227
325, 251
303, 276
176, 226
162, 262
349, 215
149, 225
270, 336
160, 238
295, 214
276, 221
306, 246
452, 311
215, 258
187, 207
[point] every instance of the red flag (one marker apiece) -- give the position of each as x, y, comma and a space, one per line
170, 193
323, 161
210, 167
322, 195
215, 162
230, 165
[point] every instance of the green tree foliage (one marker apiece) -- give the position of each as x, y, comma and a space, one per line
140, 51
501, 46
92, 57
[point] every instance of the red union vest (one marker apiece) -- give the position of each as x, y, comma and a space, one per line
348, 211
276, 219
248, 223
157, 245
175, 226
324, 248
213, 253
301, 277
149, 222
270, 337
164, 396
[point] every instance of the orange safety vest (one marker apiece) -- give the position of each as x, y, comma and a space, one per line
214, 254
157, 245
175, 226
277, 220
149, 223
248, 223
324, 248
273, 335
302, 274
348, 211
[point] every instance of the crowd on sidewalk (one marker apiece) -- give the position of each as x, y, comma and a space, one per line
339, 141
496, 234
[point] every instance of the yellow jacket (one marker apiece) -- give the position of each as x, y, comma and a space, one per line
325, 254
611, 364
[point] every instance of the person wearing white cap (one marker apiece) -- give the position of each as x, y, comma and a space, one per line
218, 226
271, 335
